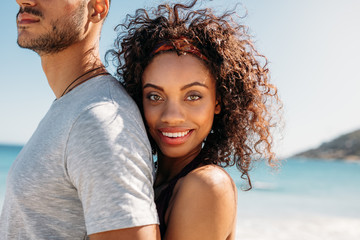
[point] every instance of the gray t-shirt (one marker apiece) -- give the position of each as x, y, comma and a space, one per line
86, 169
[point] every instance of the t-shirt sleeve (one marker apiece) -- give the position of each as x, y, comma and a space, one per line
108, 160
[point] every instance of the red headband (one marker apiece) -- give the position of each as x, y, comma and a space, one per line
182, 44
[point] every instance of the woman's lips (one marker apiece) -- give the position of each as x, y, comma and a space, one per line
174, 136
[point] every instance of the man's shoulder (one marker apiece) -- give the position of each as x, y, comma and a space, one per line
103, 89
97, 93
106, 101
99, 99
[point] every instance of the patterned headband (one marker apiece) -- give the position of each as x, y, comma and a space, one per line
181, 44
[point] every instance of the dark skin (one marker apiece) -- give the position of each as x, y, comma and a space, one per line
179, 98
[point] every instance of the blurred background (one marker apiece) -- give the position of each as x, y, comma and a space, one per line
313, 51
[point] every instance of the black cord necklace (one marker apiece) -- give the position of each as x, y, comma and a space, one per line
68, 89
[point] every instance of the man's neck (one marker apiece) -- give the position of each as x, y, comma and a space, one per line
64, 67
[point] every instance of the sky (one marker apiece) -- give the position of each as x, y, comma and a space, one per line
313, 48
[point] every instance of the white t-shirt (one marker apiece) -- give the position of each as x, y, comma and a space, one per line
86, 169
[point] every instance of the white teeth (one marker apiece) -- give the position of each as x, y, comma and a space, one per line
175, 135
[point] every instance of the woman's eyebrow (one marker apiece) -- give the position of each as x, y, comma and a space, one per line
183, 88
194, 84
152, 86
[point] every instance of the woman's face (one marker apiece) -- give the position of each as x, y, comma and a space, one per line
179, 99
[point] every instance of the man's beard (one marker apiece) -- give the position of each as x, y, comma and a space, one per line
63, 33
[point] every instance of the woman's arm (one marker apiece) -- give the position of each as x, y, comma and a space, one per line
203, 206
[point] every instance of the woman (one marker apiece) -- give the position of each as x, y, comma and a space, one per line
204, 93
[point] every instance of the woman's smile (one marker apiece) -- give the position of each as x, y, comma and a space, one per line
179, 99
173, 136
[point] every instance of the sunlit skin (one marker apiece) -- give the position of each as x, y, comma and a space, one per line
179, 99
50, 26
43, 12
77, 23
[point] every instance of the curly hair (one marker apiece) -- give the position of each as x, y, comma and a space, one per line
241, 133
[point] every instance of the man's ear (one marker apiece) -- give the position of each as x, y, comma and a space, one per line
98, 10
217, 105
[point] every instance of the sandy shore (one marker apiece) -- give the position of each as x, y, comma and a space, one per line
298, 228
304, 228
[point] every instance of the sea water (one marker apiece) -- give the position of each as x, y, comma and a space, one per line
300, 186
8, 154
305, 199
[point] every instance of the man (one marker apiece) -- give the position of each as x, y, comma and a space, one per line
86, 172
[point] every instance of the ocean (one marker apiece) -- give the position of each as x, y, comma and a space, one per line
304, 200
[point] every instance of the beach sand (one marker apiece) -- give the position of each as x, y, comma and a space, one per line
299, 228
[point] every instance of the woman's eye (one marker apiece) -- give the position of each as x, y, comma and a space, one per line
193, 98
154, 97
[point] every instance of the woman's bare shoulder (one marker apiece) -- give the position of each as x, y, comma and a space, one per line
207, 195
209, 183
210, 177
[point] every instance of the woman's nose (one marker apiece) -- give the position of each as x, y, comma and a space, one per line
173, 113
